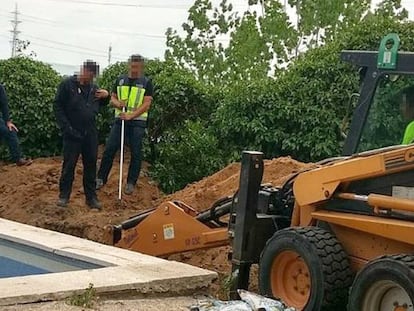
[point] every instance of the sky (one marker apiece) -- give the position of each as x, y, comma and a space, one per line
66, 32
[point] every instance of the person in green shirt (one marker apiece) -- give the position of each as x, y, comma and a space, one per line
407, 108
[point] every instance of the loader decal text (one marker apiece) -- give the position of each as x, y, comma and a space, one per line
196, 240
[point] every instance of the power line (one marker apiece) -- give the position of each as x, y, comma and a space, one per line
151, 6
15, 23
68, 50
36, 20
86, 49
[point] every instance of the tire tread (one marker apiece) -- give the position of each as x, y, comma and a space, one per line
335, 264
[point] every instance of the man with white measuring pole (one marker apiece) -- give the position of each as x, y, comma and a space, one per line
132, 98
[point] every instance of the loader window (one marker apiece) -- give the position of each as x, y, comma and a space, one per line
387, 119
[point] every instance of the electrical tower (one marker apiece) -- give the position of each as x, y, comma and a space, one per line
15, 32
109, 54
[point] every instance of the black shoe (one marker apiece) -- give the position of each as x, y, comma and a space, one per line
94, 204
24, 162
129, 189
62, 202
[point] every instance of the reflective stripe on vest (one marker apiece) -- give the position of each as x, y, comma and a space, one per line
134, 97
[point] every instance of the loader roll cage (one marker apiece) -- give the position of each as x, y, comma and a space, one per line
371, 75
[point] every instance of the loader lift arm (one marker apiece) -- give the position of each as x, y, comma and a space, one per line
173, 227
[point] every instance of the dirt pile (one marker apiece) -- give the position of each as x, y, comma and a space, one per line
29, 194
201, 195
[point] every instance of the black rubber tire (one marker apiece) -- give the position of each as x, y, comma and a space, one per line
398, 269
328, 264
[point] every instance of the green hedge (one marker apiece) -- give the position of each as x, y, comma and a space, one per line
186, 155
31, 87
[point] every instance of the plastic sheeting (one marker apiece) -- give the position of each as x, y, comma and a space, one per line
249, 302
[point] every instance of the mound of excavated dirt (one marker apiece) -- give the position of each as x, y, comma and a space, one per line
29, 194
201, 195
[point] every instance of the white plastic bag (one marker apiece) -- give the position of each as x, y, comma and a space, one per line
249, 302
257, 302
217, 305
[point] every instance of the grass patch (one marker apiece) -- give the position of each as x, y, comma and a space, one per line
87, 299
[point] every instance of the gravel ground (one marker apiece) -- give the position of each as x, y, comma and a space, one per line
159, 304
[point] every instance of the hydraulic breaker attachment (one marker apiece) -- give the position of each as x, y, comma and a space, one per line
245, 220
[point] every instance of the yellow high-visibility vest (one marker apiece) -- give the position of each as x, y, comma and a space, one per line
133, 96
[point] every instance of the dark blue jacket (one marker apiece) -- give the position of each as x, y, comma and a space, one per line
76, 107
4, 105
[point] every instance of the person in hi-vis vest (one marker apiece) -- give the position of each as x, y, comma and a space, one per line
407, 108
133, 92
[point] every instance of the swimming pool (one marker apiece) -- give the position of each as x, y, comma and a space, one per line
20, 260
41, 265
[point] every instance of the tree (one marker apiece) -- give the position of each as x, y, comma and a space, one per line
22, 46
301, 112
201, 49
262, 40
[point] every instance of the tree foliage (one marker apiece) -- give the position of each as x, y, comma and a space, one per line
302, 111
186, 155
223, 46
31, 87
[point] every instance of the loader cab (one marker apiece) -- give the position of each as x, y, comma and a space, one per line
391, 111
382, 112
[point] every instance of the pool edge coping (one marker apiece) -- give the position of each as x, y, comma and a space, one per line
127, 270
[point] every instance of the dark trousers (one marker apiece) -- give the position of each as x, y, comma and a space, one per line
12, 141
134, 135
72, 149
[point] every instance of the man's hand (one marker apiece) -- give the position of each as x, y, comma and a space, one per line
120, 104
11, 126
126, 116
101, 94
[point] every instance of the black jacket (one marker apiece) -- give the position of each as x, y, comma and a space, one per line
4, 106
75, 109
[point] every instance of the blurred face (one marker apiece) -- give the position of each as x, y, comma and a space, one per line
86, 75
136, 69
407, 108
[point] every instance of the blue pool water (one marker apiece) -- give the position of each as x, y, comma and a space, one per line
10, 268
20, 260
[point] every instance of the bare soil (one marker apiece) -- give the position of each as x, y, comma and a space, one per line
28, 195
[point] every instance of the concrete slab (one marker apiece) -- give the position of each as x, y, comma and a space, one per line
124, 271
151, 304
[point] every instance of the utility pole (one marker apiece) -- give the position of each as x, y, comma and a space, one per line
109, 54
15, 23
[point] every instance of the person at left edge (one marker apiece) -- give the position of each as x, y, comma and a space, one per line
76, 105
8, 131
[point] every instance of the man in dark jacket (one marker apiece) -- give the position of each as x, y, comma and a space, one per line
8, 131
77, 103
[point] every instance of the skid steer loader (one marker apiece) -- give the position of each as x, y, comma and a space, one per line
342, 229
345, 228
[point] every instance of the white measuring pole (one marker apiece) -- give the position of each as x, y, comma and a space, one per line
121, 157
